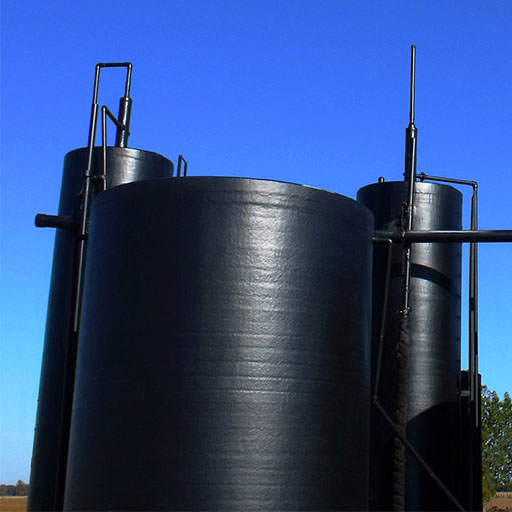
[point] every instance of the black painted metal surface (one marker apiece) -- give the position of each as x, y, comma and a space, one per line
124, 165
59, 354
470, 473
224, 352
434, 351
447, 236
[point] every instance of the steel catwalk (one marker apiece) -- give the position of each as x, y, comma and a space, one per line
224, 356
434, 347
59, 353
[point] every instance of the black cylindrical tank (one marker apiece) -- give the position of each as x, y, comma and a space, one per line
224, 351
434, 350
57, 374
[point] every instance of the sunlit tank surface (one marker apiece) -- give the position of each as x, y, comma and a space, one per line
224, 357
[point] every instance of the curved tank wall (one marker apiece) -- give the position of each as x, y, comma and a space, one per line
224, 350
57, 373
434, 350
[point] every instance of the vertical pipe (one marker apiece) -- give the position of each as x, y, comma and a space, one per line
382, 330
473, 311
86, 201
70, 364
104, 144
401, 413
125, 111
411, 149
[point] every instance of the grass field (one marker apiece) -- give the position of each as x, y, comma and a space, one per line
13, 504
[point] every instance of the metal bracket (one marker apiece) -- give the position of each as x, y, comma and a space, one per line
182, 161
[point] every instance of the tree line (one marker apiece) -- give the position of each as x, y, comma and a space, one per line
496, 443
20, 489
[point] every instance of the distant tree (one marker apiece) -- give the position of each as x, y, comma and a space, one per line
7, 490
496, 443
21, 488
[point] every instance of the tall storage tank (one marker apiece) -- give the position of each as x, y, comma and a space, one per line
51, 436
434, 349
224, 356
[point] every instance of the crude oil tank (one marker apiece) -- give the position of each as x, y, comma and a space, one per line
58, 366
433, 376
224, 349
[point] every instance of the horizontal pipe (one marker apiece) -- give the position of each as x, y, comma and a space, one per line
55, 221
128, 65
476, 236
457, 181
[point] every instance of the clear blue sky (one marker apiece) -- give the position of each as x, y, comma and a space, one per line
309, 91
